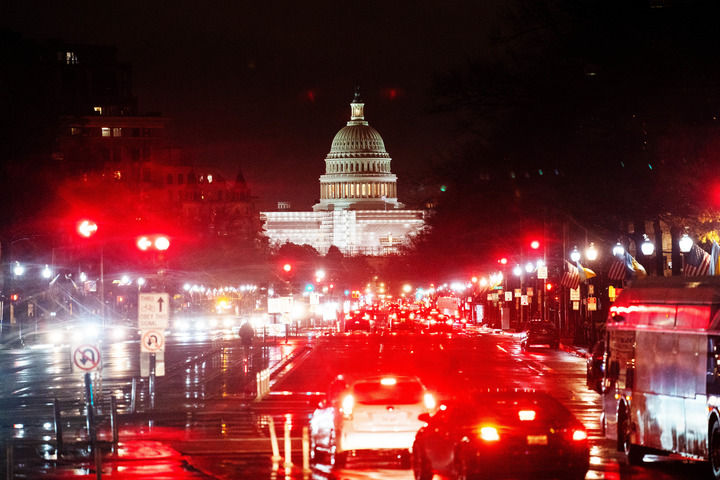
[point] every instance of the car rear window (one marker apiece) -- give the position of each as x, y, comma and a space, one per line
374, 393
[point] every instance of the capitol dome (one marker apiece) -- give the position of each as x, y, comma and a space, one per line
358, 139
357, 169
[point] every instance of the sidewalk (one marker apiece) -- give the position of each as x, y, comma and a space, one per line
145, 449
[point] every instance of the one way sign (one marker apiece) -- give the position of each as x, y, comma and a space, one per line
153, 311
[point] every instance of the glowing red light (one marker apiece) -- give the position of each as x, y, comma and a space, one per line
287, 267
503, 261
534, 244
549, 286
162, 243
143, 243
86, 228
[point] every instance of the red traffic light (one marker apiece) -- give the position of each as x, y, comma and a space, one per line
535, 244
14, 297
87, 228
548, 286
159, 242
503, 261
287, 268
162, 243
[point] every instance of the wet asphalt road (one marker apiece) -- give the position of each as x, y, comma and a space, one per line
207, 425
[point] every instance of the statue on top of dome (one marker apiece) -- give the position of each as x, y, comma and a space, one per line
356, 97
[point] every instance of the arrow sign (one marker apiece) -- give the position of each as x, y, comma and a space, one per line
85, 358
153, 311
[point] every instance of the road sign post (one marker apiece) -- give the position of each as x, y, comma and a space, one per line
153, 319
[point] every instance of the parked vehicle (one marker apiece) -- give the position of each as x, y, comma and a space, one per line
662, 370
540, 333
594, 366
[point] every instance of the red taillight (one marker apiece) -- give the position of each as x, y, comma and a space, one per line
579, 435
348, 403
429, 401
526, 415
489, 434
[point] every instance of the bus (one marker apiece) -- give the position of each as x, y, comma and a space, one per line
661, 381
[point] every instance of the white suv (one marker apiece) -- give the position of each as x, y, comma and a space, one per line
378, 413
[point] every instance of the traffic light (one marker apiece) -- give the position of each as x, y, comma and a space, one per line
14, 297
503, 261
87, 228
535, 244
287, 268
158, 242
549, 286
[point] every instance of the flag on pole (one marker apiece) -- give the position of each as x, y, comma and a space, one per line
570, 278
697, 262
617, 269
585, 273
714, 258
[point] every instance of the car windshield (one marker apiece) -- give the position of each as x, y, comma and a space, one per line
375, 393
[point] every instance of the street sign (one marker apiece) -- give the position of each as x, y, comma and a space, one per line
153, 311
85, 358
576, 305
517, 293
152, 341
592, 304
542, 272
591, 289
280, 304
530, 291
575, 294
508, 296
524, 300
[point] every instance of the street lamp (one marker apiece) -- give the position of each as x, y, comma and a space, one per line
618, 250
18, 269
591, 253
46, 273
647, 246
517, 271
685, 243
575, 254
529, 267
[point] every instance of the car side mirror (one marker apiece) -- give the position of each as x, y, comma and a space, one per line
424, 417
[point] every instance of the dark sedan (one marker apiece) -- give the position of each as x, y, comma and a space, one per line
541, 333
515, 434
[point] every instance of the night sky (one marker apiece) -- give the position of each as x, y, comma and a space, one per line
266, 85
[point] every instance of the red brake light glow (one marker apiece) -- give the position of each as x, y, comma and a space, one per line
489, 434
429, 401
348, 403
526, 415
388, 381
579, 435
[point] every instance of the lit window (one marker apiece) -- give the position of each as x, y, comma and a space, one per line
71, 58
105, 132
98, 110
117, 175
75, 131
117, 132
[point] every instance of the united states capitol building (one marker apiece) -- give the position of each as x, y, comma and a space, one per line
359, 211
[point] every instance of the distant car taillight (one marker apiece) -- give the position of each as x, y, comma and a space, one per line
489, 434
429, 401
348, 403
579, 435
